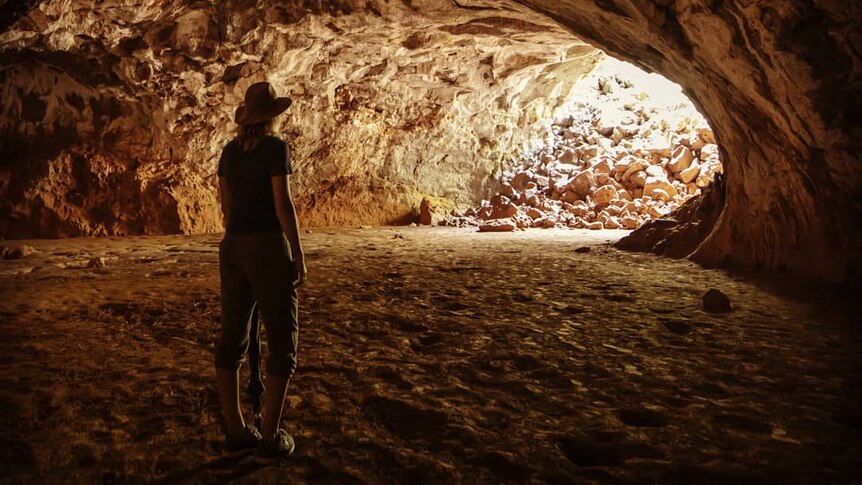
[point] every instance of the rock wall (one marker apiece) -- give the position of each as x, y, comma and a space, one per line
780, 84
113, 118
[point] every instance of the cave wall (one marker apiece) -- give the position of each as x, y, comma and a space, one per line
778, 81
780, 84
113, 116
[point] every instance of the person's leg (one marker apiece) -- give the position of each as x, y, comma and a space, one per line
237, 301
273, 288
276, 389
227, 382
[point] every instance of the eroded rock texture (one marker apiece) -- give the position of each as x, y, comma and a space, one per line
780, 84
113, 118
399, 99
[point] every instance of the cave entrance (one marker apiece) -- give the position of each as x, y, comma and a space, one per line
625, 148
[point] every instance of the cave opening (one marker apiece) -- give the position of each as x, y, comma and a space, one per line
625, 147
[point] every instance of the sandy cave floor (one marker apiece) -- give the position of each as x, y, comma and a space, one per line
432, 355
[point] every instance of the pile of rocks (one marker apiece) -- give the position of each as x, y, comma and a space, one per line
613, 164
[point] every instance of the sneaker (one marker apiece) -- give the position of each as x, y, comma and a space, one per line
282, 445
249, 440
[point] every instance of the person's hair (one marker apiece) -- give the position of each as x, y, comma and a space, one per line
249, 136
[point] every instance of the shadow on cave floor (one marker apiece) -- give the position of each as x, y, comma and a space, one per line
428, 356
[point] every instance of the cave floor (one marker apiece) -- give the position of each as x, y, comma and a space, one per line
432, 355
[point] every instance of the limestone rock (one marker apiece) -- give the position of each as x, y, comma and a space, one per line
689, 174
569, 157
682, 158
653, 183
604, 195
638, 179
520, 181
502, 208
656, 171
630, 222
603, 167
583, 182
502, 225
612, 223
433, 210
659, 194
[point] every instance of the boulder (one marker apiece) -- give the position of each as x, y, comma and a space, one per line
583, 182
681, 159
653, 183
578, 208
503, 211
705, 133
689, 174
638, 179
658, 145
660, 194
656, 171
568, 157
612, 223
521, 179
586, 152
635, 166
604, 195
657, 212
570, 197
503, 225
630, 222
534, 213
429, 213
714, 301
622, 164
605, 166
21, 251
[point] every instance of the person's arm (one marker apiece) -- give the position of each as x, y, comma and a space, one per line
223, 192
286, 213
224, 197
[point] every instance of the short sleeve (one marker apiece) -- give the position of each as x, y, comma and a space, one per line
281, 161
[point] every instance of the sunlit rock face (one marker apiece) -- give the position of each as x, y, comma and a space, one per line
113, 116
398, 99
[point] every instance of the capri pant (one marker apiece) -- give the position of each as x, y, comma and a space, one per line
257, 267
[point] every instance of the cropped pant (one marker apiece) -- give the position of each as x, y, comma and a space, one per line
257, 267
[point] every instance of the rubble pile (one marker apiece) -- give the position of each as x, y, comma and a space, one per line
615, 163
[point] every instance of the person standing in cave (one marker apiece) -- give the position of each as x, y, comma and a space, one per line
260, 260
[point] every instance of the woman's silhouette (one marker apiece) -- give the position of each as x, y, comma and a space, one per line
260, 259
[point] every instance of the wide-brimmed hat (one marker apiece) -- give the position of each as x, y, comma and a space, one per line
261, 104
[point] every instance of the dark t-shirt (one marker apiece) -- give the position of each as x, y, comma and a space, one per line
249, 180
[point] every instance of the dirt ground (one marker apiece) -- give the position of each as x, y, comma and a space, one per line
432, 355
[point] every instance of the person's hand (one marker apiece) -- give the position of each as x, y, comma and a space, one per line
300, 272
